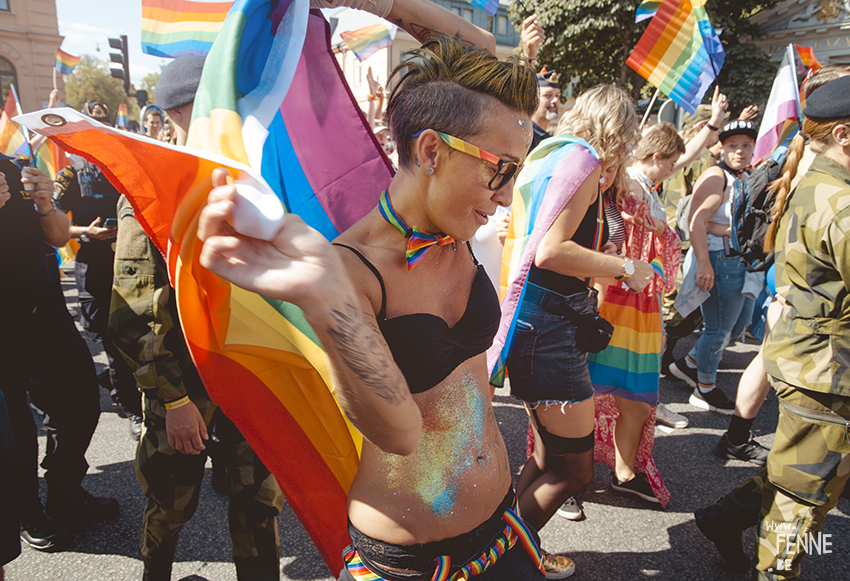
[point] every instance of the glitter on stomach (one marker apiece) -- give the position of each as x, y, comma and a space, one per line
451, 444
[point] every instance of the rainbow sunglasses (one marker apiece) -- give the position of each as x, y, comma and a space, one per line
505, 170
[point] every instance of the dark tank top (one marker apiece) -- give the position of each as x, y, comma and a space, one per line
424, 347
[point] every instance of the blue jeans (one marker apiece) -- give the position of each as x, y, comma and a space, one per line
720, 311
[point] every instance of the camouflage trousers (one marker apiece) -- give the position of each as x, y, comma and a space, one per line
806, 472
172, 482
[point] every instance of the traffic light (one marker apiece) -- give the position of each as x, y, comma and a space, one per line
122, 59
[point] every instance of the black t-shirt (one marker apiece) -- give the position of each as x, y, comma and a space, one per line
23, 265
88, 195
539, 134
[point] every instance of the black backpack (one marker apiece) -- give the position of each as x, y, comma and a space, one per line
752, 214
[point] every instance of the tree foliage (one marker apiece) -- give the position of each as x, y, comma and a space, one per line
92, 81
591, 40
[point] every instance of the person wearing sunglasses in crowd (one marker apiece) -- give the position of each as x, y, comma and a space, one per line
405, 315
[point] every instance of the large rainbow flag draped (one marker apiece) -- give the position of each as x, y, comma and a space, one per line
679, 52
553, 172
273, 96
366, 41
783, 112
172, 28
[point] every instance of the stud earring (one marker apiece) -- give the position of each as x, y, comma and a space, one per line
429, 170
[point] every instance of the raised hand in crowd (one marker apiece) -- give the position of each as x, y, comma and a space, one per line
749, 112
531, 36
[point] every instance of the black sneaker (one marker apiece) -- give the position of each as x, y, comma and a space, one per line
639, 486
749, 451
44, 534
681, 370
78, 506
714, 401
726, 539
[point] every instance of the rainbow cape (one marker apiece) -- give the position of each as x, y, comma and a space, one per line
553, 172
646, 9
121, 120
172, 28
65, 62
271, 96
366, 41
679, 52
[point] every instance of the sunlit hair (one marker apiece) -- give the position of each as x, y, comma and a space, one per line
662, 139
605, 117
447, 87
822, 76
820, 133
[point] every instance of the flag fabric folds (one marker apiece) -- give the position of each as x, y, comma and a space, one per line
553, 172
65, 62
782, 109
488, 6
679, 52
172, 28
646, 9
271, 95
121, 119
366, 41
12, 137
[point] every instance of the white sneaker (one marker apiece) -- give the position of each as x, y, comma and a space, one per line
570, 510
669, 418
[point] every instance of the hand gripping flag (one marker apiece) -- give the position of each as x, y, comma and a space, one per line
271, 96
680, 52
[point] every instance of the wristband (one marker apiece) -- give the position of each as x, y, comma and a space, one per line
84, 237
712, 127
371, 97
45, 214
178, 403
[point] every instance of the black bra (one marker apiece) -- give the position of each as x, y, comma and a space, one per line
424, 347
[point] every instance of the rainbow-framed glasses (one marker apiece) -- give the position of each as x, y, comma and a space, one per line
506, 170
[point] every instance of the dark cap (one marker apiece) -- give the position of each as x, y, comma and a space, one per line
738, 127
546, 79
178, 81
98, 111
831, 101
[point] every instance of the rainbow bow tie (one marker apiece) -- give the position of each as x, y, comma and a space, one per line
418, 242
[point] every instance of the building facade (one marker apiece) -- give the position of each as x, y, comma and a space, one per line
823, 25
29, 36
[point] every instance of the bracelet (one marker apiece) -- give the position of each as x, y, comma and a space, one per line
45, 214
371, 97
178, 403
712, 127
84, 237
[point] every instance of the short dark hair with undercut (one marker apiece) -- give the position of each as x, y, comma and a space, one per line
445, 86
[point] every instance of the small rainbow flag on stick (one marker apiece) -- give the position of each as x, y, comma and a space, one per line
65, 62
173, 28
647, 9
366, 41
680, 52
121, 121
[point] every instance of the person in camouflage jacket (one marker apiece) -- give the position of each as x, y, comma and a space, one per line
807, 355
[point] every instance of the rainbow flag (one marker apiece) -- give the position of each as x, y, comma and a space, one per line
65, 62
13, 138
50, 158
808, 66
646, 9
488, 6
564, 161
679, 52
172, 28
258, 358
121, 120
366, 41
782, 113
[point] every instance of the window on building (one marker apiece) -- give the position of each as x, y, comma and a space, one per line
467, 14
7, 78
4, 5
502, 25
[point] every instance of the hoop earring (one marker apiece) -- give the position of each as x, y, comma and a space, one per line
429, 170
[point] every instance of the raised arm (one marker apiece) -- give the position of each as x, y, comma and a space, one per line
300, 266
708, 132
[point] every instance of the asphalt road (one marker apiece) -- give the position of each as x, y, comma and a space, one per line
620, 539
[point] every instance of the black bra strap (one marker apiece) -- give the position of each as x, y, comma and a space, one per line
471, 253
382, 313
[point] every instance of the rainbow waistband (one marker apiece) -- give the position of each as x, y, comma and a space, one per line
515, 530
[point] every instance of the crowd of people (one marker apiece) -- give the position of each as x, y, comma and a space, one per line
556, 264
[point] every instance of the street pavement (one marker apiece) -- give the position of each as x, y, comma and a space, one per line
621, 538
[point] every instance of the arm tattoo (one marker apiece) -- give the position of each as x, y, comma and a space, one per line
359, 344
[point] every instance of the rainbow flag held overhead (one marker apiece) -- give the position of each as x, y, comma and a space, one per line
121, 120
13, 138
679, 52
366, 41
172, 28
646, 9
782, 113
564, 162
65, 62
488, 6
257, 106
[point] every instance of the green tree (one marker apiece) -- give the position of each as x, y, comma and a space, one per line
591, 40
149, 84
92, 81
